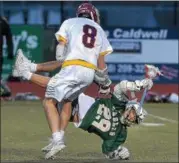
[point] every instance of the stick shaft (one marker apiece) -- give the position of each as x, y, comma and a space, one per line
143, 97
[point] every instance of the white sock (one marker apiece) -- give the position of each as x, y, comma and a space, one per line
57, 136
27, 75
62, 133
33, 67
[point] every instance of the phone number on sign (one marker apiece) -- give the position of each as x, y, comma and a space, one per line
126, 68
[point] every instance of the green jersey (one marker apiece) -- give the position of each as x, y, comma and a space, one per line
103, 119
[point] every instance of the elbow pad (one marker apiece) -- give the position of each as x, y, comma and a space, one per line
125, 86
61, 52
136, 86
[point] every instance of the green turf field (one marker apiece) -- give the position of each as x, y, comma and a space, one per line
24, 131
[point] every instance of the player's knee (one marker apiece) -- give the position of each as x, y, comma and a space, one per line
47, 102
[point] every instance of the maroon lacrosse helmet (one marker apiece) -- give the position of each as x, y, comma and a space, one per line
89, 9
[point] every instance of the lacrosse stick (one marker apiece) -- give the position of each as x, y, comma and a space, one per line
151, 72
143, 97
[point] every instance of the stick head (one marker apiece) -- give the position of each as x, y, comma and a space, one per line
151, 71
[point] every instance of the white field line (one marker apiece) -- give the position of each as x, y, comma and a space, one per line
163, 118
152, 124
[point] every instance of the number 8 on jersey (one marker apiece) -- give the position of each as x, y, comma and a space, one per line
89, 36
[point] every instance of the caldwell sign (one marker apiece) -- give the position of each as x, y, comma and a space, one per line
140, 34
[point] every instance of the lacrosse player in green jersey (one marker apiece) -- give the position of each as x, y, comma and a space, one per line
108, 118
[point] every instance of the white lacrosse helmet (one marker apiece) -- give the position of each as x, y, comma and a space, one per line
140, 113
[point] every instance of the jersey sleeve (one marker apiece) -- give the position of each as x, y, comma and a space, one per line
113, 144
62, 33
106, 47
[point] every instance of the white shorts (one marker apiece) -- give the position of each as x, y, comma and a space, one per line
69, 83
84, 103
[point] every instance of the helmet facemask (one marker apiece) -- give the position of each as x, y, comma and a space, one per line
126, 117
133, 114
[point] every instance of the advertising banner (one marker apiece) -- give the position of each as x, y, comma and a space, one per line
135, 47
29, 39
136, 71
143, 45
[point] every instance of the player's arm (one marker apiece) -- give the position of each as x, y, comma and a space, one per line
101, 74
124, 86
135, 86
101, 62
61, 51
121, 90
62, 38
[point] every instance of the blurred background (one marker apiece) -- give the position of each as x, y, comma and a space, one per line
140, 33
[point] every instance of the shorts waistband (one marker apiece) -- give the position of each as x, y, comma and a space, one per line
78, 62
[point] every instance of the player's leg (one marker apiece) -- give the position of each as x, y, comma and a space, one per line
68, 84
56, 89
51, 141
22, 64
39, 80
24, 68
48, 66
49, 104
84, 104
58, 136
57, 132
74, 106
76, 86
67, 107
51, 114
65, 115
53, 119
34, 78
